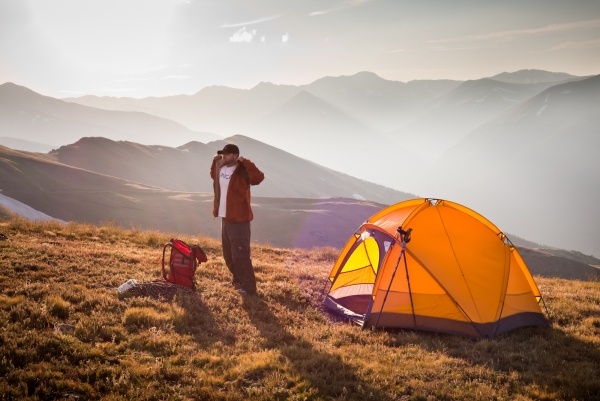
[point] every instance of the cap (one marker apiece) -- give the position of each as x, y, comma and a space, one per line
229, 148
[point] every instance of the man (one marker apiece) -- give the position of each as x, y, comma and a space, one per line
232, 176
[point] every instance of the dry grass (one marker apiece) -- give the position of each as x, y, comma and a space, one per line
65, 334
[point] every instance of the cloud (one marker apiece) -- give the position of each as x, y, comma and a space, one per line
322, 12
285, 38
344, 5
584, 44
252, 22
458, 48
243, 35
513, 34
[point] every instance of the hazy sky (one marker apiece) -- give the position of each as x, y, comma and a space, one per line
142, 48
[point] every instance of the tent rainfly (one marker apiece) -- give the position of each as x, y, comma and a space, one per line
434, 265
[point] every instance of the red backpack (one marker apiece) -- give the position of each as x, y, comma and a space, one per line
183, 261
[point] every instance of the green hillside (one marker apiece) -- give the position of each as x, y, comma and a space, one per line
66, 334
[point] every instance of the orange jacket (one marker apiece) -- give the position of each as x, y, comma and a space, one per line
238, 208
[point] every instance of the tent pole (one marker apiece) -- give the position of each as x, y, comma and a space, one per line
545, 307
404, 238
327, 281
412, 305
389, 286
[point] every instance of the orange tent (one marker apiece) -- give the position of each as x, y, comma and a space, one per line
430, 264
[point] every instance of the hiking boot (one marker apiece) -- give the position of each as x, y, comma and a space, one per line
241, 291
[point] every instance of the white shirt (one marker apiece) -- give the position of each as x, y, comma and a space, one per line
224, 177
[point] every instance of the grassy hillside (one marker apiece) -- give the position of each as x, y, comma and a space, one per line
65, 333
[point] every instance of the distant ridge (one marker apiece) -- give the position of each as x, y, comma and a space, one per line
186, 168
28, 146
30, 116
533, 77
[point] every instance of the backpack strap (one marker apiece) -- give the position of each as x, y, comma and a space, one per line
198, 254
164, 272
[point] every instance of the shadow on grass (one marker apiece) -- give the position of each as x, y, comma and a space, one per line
549, 358
326, 373
199, 321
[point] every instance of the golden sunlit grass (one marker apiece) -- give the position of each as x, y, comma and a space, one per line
66, 334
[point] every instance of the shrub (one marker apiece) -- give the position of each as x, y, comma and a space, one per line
58, 307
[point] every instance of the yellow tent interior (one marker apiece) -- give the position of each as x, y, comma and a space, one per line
435, 265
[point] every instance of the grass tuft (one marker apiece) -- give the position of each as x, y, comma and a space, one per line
58, 307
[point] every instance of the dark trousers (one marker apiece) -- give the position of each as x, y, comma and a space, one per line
235, 240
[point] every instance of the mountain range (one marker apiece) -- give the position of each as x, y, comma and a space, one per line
30, 116
518, 147
186, 168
